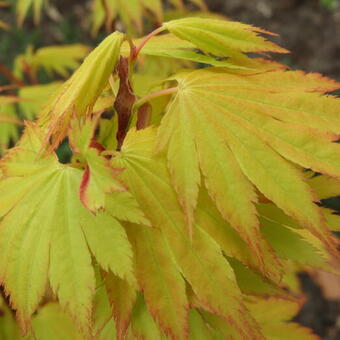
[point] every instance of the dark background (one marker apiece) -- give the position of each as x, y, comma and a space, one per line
309, 29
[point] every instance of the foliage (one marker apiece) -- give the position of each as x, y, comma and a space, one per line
191, 196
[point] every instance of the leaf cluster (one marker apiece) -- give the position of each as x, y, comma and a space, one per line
191, 197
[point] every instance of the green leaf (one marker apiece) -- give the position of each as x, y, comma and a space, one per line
57, 250
142, 324
199, 330
274, 324
8, 124
122, 297
324, 186
221, 37
34, 98
78, 95
208, 217
8, 326
289, 244
23, 6
162, 284
251, 282
199, 258
59, 59
52, 323
230, 136
99, 178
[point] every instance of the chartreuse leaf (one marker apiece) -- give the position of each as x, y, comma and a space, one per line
8, 124
221, 37
8, 326
272, 212
155, 6
34, 98
290, 245
99, 178
122, 297
142, 324
78, 95
308, 109
58, 250
131, 14
22, 7
179, 4
231, 242
223, 129
59, 59
102, 312
52, 323
199, 330
273, 315
98, 15
200, 258
162, 284
325, 186
251, 282
275, 215
275, 324
170, 46
332, 219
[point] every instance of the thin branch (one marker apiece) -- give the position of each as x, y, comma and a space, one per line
30, 73
10, 76
146, 39
153, 95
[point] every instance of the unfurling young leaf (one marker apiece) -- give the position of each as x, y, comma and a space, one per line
79, 94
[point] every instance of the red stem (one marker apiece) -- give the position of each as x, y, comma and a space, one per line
146, 39
10, 76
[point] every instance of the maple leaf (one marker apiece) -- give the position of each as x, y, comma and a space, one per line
22, 7
142, 324
51, 323
231, 242
179, 4
122, 297
234, 112
222, 38
53, 59
162, 284
99, 178
129, 12
170, 46
325, 186
59, 250
34, 98
148, 180
58, 59
9, 330
8, 122
80, 92
275, 325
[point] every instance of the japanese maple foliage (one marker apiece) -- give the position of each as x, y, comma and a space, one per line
187, 201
